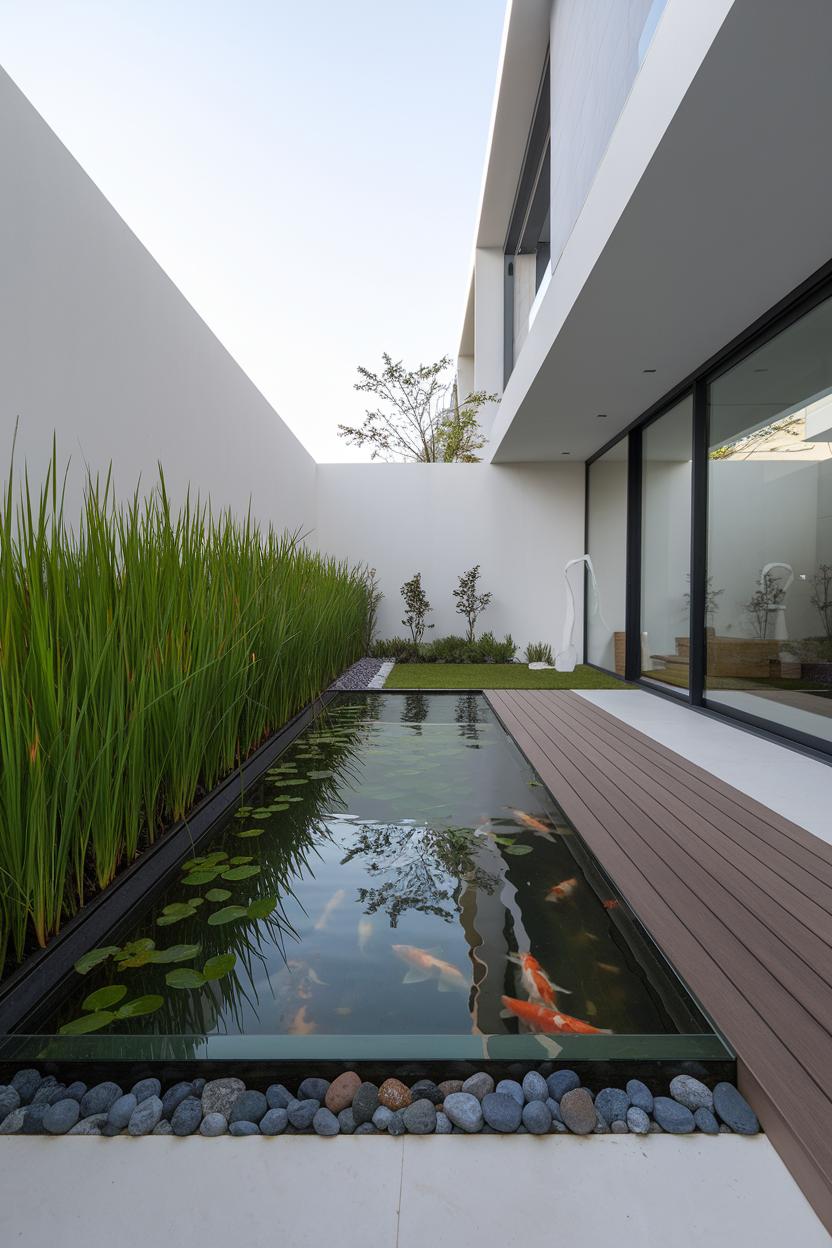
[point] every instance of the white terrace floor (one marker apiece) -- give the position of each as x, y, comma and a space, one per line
654, 1192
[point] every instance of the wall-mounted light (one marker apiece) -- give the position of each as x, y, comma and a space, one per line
648, 370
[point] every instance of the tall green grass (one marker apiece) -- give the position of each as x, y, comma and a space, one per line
143, 653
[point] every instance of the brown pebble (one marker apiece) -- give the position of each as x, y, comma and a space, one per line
394, 1094
449, 1086
341, 1091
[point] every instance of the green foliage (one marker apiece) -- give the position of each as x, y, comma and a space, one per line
539, 652
416, 607
142, 657
402, 649
452, 649
469, 602
496, 676
374, 598
821, 596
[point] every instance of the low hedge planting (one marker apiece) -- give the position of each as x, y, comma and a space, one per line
484, 649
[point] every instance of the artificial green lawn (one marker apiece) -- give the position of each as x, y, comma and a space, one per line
495, 676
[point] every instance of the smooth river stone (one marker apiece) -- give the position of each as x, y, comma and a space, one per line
537, 1118
274, 1122
479, 1085
9, 1100
364, 1103
33, 1121
705, 1121
89, 1126
502, 1112
691, 1093
146, 1116
346, 1121
562, 1081
62, 1116
213, 1125
577, 1109
464, 1111
219, 1095
640, 1095
535, 1087
174, 1096
325, 1122
381, 1118
420, 1117
121, 1111
444, 1126
447, 1086
187, 1116
340, 1092
76, 1090
99, 1099
673, 1116
12, 1124
248, 1107
733, 1109
26, 1084
278, 1097
638, 1121
426, 1090
612, 1104
301, 1113
396, 1124
313, 1089
145, 1088
243, 1128
510, 1087
394, 1094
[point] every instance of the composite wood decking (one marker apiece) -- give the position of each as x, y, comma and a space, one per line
738, 898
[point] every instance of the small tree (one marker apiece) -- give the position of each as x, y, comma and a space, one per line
821, 597
416, 606
763, 601
418, 417
469, 602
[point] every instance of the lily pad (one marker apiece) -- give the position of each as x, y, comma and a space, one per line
278, 806
105, 997
94, 958
249, 832
136, 959
141, 1005
184, 977
218, 894
241, 860
87, 1023
227, 915
294, 780
218, 966
240, 873
176, 953
262, 907
517, 849
321, 775
203, 875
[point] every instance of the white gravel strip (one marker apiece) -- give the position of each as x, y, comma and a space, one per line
381, 675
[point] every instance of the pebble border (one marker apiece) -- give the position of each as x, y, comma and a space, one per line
362, 675
556, 1103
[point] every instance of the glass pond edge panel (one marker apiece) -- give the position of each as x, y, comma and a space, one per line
473, 722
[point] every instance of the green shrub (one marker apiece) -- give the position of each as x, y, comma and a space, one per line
452, 649
539, 652
141, 658
493, 651
402, 649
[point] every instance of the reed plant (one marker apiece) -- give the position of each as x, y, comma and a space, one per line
145, 650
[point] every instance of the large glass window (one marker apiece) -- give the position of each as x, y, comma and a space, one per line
665, 546
769, 648
607, 547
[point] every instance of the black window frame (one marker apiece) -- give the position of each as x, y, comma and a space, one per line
786, 312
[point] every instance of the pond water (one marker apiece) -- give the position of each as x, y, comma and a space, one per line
399, 883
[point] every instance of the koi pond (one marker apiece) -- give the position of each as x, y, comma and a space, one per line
399, 884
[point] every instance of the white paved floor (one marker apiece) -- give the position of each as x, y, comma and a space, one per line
793, 784
657, 1192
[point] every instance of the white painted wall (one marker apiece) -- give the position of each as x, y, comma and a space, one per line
594, 58
519, 522
97, 344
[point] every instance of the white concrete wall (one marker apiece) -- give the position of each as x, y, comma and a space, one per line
520, 523
594, 59
97, 344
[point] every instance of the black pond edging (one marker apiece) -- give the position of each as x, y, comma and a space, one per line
46, 971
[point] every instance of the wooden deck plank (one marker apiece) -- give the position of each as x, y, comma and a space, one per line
614, 789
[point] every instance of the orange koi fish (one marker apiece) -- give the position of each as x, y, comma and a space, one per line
530, 821
562, 891
535, 980
613, 904
609, 968
541, 1018
301, 1025
423, 965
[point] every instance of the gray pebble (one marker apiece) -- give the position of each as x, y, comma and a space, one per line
109, 1130
558, 1127
199, 1086
426, 1090
365, 1128
33, 1120
301, 1113
241, 1128
535, 1087
478, 1085
219, 1095
99, 1099
619, 1127
9, 1100
278, 1097
655, 1129
537, 1118
26, 1084
554, 1109
325, 1122
274, 1122
612, 1104
162, 1127
365, 1103
562, 1081
45, 1091
464, 1111
691, 1093
724, 1129
122, 1110
705, 1121
640, 1095
577, 1110
148, 1087
145, 1117
733, 1109
381, 1118
444, 1126
76, 1090
346, 1121
510, 1087
420, 1117
672, 1116
248, 1107
214, 1124
637, 1120
502, 1112
89, 1126
187, 1116
12, 1124
175, 1096
602, 1127
313, 1090
57, 1093
62, 1116
396, 1125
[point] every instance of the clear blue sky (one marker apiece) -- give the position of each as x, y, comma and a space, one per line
307, 173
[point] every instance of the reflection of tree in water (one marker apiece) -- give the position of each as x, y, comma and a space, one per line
466, 714
415, 710
425, 867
